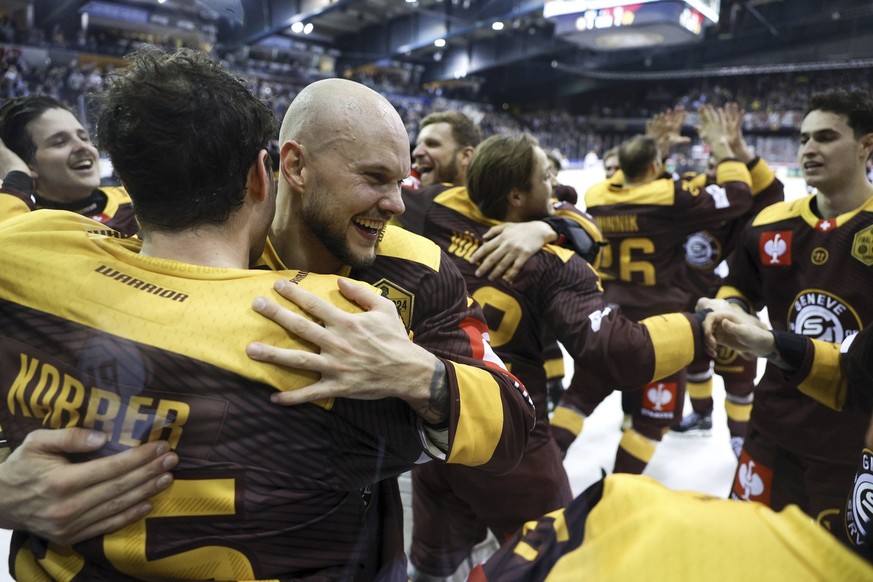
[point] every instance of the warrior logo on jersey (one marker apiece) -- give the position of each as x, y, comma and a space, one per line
823, 316
403, 300
724, 356
859, 507
862, 246
702, 251
753, 481
659, 400
819, 256
775, 248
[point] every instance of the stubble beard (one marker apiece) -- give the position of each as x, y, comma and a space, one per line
333, 236
450, 173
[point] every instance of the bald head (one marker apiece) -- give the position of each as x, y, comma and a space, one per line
344, 152
331, 111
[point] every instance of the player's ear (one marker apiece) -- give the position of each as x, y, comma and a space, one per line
515, 198
466, 156
867, 143
292, 163
260, 179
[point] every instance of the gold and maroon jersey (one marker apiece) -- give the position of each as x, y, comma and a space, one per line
94, 334
110, 206
491, 413
813, 276
618, 529
840, 376
706, 249
553, 361
556, 290
647, 226
836, 375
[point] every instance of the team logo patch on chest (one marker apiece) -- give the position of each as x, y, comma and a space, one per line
774, 248
823, 316
702, 250
862, 246
403, 300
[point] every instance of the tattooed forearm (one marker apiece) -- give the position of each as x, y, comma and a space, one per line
436, 411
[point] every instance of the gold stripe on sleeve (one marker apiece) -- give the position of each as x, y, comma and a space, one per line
554, 368
673, 340
480, 424
733, 171
762, 177
823, 383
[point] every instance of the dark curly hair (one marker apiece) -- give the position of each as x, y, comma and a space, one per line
14, 117
856, 106
181, 133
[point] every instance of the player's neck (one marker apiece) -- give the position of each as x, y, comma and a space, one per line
299, 248
294, 242
206, 246
513, 215
650, 176
69, 197
844, 199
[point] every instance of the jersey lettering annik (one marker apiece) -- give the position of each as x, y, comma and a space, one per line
647, 226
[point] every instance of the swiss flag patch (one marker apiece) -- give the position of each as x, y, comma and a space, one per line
775, 248
826, 224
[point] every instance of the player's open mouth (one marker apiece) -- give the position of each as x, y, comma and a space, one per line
370, 227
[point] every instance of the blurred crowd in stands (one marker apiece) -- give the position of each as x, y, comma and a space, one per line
602, 119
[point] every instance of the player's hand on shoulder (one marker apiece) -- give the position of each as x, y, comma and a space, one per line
509, 246
366, 355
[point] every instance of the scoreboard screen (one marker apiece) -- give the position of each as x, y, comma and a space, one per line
616, 24
708, 8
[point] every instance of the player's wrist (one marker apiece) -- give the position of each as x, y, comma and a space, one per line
433, 408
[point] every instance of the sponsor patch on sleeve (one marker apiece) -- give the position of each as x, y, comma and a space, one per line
753, 481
